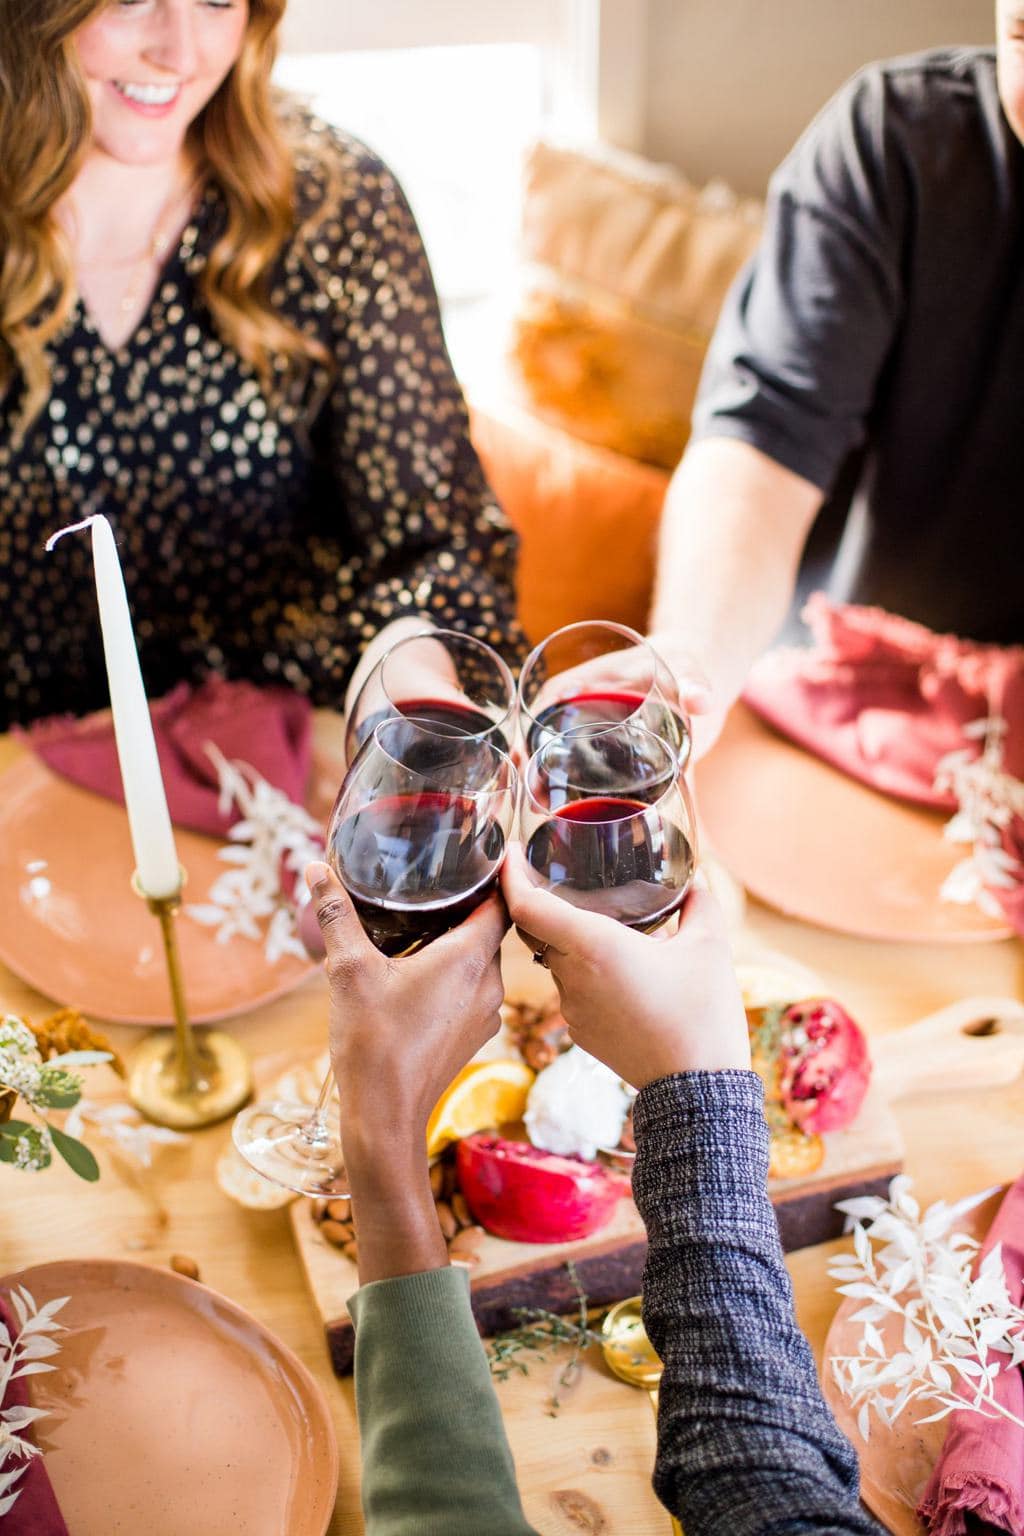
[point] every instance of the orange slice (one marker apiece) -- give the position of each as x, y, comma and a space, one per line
485, 1094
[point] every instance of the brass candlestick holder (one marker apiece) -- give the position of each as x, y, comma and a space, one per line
185, 1078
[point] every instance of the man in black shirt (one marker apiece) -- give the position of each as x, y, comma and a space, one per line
876, 336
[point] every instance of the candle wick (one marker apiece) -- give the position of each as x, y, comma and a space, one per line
73, 528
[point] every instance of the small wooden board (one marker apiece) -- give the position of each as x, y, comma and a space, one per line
974, 1043
860, 1160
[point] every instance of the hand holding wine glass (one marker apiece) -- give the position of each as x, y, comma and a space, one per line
647, 1009
400, 1030
443, 678
600, 673
417, 837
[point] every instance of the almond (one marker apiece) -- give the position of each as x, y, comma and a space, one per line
461, 1210
467, 1242
340, 1210
336, 1232
351, 1251
446, 1217
183, 1265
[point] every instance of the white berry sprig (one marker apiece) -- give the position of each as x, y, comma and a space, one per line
272, 839
947, 1331
27, 1355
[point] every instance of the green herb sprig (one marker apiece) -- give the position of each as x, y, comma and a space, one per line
542, 1333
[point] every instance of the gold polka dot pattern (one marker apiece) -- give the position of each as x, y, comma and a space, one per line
261, 541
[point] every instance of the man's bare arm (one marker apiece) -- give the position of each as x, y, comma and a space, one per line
733, 529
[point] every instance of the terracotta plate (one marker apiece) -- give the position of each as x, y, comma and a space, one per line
896, 1464
72, 927
821, 847
173, 1410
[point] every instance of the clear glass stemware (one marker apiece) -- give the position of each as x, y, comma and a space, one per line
417, 836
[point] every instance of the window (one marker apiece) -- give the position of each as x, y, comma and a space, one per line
450, 94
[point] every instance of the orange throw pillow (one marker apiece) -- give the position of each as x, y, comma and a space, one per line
587, 520
627, 267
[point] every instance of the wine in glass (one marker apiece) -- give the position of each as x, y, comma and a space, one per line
417, 837
599, 673
608, 824
457, 685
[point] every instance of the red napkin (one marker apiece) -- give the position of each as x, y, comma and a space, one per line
35, 1512
883, 699
980, 1474
268, 728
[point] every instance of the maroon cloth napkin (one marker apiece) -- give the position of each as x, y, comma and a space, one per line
883, 699
35, 1511
268, 728
980, 1473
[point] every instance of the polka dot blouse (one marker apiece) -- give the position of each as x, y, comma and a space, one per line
264, 543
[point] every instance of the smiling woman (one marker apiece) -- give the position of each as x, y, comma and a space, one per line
218, 326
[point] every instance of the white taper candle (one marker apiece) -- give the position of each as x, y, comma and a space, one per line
149, 821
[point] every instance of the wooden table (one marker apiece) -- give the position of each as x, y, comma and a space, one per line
589, 1468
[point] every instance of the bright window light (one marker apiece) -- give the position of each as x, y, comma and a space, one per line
452, 123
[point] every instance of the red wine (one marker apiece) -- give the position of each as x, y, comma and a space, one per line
445, 716
416, 865
602, 856
606, 708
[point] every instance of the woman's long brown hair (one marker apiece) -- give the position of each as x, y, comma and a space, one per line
45, 125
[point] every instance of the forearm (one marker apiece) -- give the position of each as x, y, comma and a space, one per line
393, 1209
732, 533
435, 1459
746, 1443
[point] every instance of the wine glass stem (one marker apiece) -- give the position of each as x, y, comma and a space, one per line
315, 1132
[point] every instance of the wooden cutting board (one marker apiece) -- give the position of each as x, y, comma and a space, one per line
961, 1047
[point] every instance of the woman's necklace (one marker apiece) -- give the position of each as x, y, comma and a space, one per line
159, 244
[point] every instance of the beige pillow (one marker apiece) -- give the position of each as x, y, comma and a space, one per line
628, 265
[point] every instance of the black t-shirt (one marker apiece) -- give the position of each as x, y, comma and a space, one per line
883, 316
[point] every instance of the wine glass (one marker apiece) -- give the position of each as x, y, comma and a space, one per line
599, 673
417, 837
456, 684
607, 823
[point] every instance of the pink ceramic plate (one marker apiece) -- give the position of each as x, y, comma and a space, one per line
72, 927
895, 1465
819, 846
172, 1410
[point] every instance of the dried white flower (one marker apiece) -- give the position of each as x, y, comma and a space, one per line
273, 838
124, 1126
27, 1355
943, 1328
988, 800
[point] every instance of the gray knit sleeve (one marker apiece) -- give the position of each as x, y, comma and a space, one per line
746, 1443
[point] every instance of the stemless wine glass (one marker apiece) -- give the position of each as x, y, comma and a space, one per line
457, 685
599, 673
608, 825
417, 837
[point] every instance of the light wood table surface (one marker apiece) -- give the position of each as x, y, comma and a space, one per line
589, 1468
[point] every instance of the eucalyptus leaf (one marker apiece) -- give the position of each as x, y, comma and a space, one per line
76, 1155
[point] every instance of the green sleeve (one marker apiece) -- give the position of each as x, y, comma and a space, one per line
435, 1458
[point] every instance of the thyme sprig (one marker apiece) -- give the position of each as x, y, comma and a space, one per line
542, 1333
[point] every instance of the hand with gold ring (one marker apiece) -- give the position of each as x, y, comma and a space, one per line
647, 1006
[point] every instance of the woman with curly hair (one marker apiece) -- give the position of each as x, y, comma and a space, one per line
217, 327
